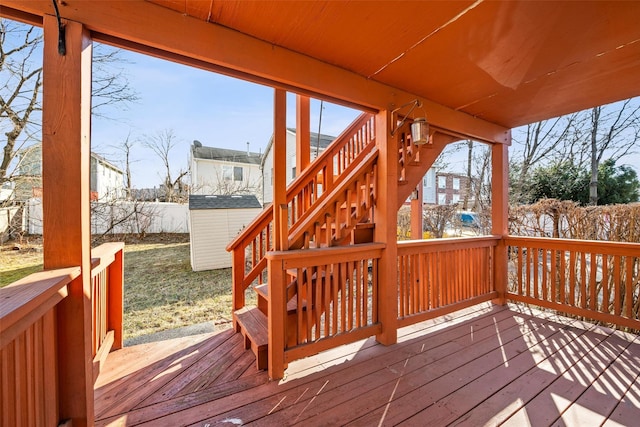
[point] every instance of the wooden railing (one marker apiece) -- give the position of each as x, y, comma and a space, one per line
437, 277
593, 279
106, 299
28, 348
320, 299
329, 223
307, 190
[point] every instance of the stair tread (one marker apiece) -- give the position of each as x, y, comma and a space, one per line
263, 291
254, 325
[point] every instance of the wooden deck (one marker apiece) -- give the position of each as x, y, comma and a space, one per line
483, 365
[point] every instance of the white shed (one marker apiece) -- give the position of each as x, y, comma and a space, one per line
213, 222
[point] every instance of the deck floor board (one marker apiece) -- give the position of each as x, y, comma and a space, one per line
482, 365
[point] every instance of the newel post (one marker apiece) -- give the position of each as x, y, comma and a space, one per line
277, 317
386, 218
500, 216
116, 298
66, 129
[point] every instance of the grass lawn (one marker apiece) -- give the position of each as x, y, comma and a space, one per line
161, 291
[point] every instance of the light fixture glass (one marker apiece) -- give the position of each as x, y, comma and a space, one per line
420, 131
419, 126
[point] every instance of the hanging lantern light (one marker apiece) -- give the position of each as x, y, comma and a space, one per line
420, 131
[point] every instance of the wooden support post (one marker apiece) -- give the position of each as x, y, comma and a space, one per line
500, 216
277, 316
416, 214
115, 299
238, 262
386, 219
66, 117
279, 167
303, 133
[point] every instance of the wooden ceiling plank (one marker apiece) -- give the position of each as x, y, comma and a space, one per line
164, 29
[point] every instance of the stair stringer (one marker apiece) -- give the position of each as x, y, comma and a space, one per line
415, 171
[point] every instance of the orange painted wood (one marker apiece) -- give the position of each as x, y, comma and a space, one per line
500, 214
277, 319
385, 231
303, 142
279, 166
340, 384
28, 299
573, 280
66, 140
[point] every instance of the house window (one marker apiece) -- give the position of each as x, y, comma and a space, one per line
442, 182
456, 183
456, 198
442, 198
237, 173
232, 173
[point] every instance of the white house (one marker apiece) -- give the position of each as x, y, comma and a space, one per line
107, 180
429, 187
318, 145
223, 172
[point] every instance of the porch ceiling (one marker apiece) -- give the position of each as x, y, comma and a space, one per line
510, 63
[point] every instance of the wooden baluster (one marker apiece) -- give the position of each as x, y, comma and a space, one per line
605, 283
593, 268
628, 286
583, 280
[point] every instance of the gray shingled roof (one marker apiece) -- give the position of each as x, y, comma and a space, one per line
224, 154
223, 202
325, 140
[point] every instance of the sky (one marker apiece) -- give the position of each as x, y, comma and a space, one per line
216, 110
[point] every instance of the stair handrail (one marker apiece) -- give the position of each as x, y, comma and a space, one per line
364, 123
323, 174
317, 215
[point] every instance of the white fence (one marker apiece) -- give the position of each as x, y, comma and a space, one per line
6, 218
121, 217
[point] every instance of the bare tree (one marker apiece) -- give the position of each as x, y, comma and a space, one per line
467, 193
124, 148
541, 140
614, 133
21, 86
161, 144
21, 80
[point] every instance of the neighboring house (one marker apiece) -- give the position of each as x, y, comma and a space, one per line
107, 180
429, 187
214, 221
451, 188
223, 172
318, 145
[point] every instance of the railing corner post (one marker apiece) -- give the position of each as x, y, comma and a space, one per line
115, 298
276, 318
500, 271
237, 273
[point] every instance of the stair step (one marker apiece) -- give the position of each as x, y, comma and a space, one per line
253, 326
263, 294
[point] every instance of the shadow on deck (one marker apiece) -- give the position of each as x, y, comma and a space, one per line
483, 365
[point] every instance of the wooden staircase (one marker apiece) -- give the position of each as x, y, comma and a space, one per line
331, 204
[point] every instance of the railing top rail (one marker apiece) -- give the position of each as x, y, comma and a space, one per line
596, 246
104, 255
450, 242
37, 292
295, 233
345, 253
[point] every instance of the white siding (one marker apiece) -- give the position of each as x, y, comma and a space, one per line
211, 232
207, 177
